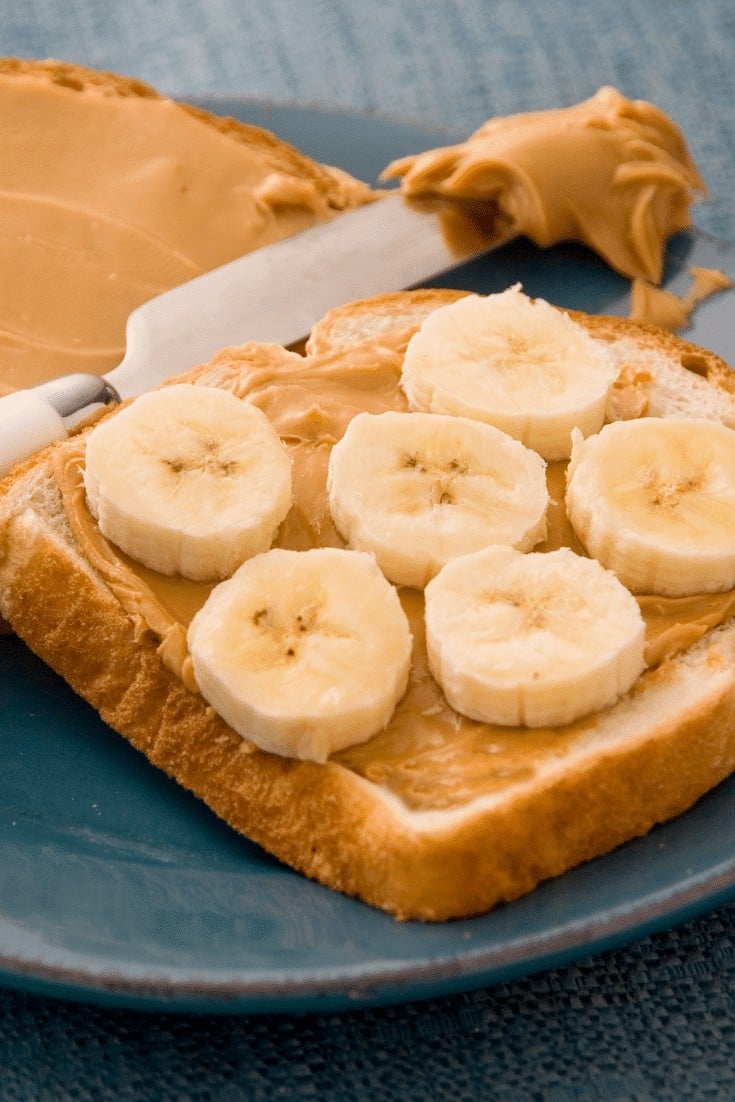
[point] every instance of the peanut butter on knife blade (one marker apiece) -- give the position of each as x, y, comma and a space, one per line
610, 172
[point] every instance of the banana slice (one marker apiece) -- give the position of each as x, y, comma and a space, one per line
188, 480
515, 362
531, 640
303, 652
654, 500
418, 489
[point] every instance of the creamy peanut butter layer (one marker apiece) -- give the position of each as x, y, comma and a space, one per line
428, 756
111, 193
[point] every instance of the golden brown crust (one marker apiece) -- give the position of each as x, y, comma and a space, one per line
326, 820
694, 358
77, 77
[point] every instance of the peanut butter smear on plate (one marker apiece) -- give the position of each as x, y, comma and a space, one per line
669, 311
612, 173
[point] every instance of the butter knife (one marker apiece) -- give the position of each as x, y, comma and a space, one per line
274, 294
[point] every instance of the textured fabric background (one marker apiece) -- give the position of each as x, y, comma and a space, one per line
652, 1023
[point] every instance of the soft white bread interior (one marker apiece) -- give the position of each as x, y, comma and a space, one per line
434, 817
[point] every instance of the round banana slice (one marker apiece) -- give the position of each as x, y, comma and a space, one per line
654, 500
188, 480
531, 640
303, 652
418, 489
515, 362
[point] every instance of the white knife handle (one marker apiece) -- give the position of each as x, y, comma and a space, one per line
31, 419
27, 423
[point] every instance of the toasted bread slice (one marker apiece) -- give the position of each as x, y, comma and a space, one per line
435, 817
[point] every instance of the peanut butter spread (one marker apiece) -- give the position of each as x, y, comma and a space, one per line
612, 173
428, 756
111, 194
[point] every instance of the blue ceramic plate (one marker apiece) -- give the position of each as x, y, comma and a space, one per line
118, 887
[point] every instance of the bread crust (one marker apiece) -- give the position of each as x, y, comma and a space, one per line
659, 749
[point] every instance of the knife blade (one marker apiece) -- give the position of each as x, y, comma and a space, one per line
274, 294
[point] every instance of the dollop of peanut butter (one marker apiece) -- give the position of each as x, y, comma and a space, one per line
110, 194
612, 173
428, 756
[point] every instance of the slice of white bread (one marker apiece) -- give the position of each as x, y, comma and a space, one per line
435, 817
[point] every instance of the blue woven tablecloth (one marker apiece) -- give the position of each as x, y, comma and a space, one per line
655, 1021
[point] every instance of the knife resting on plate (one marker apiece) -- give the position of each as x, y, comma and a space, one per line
274, 294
